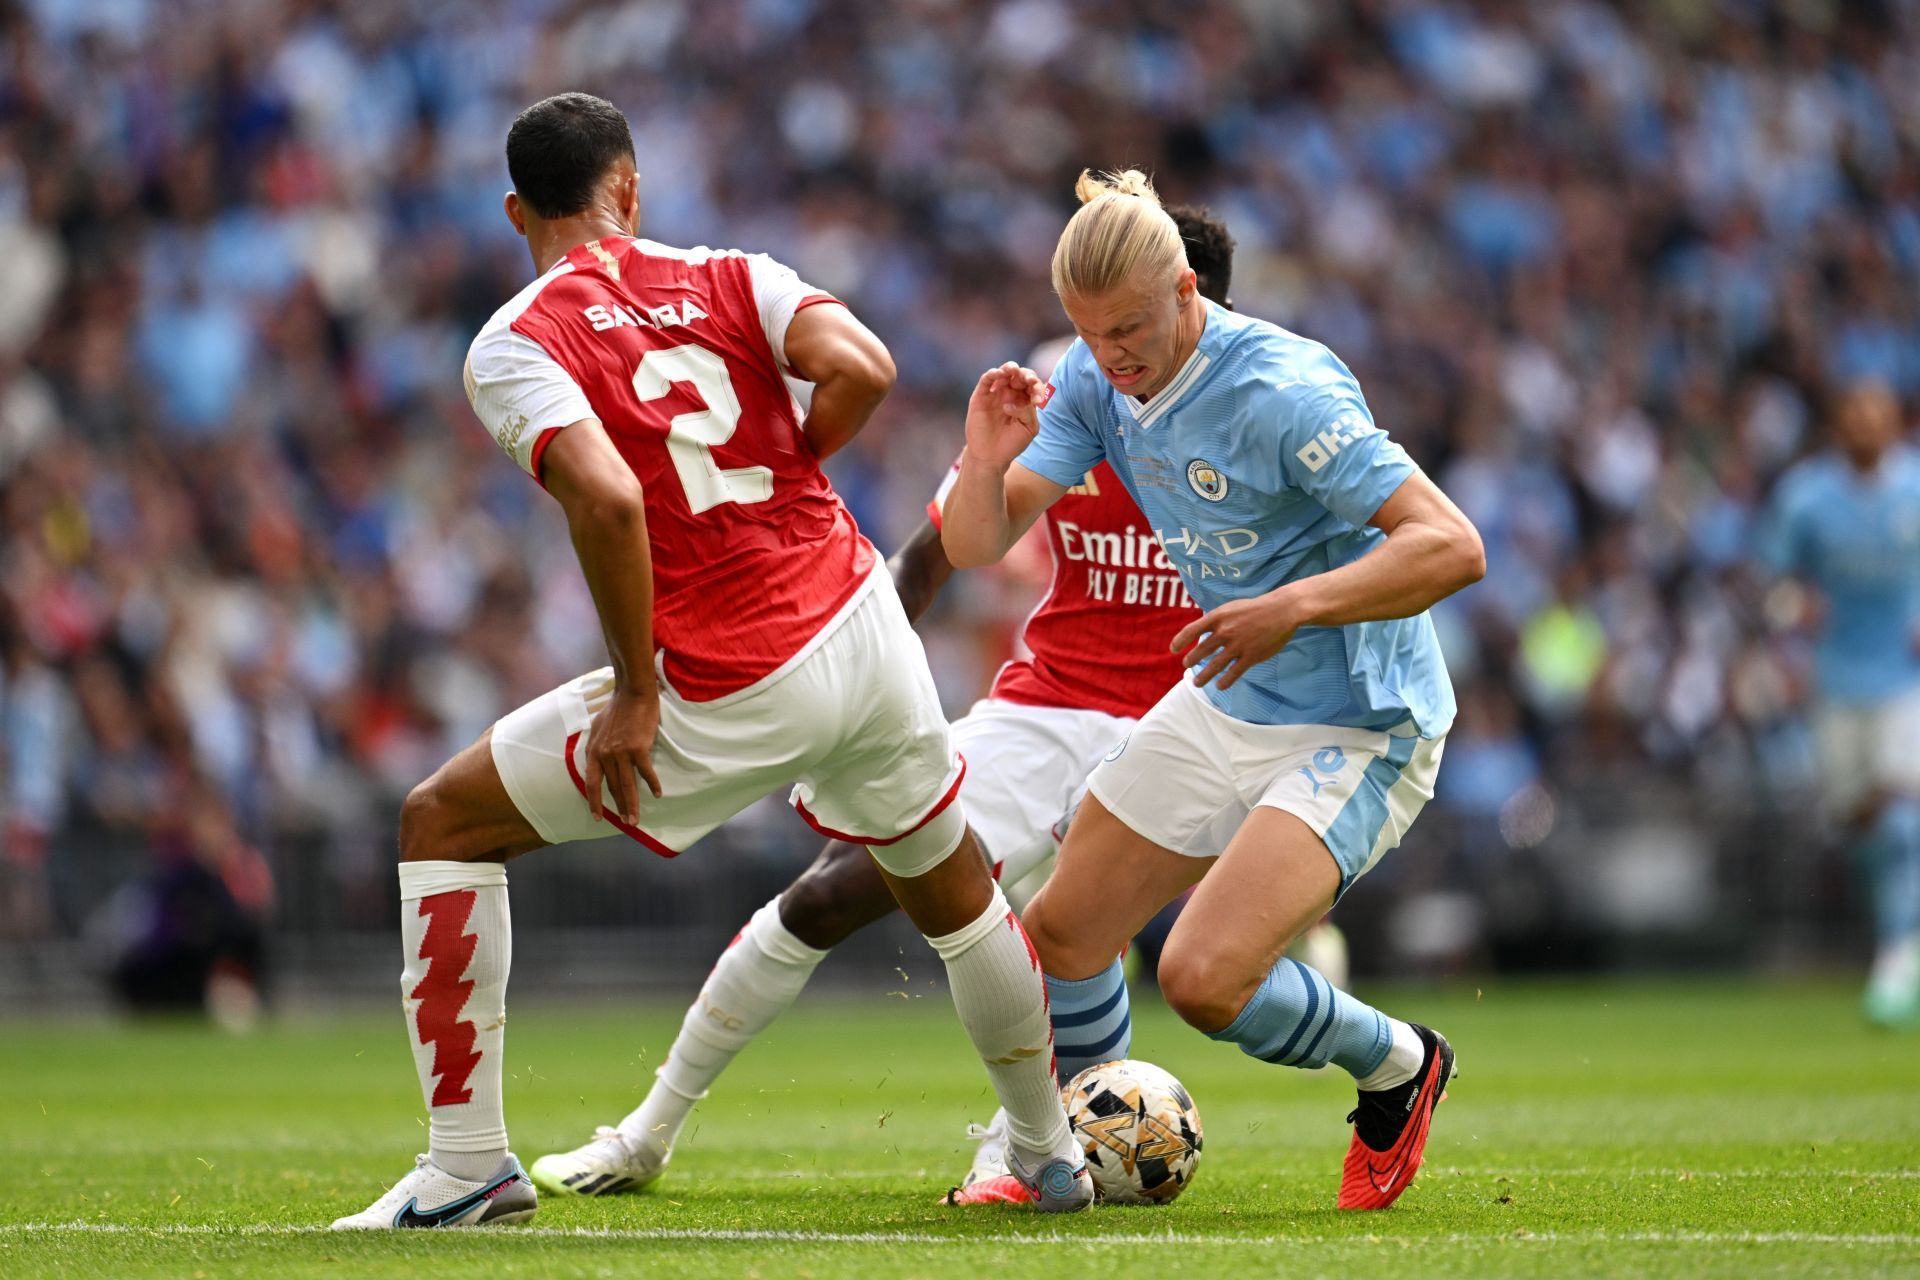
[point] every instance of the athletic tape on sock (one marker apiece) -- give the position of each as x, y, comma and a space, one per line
919, 852
424, 879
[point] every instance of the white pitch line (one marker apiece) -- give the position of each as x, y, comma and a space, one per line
659, 1234
1511, 1172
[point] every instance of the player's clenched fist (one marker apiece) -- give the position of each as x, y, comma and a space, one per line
619, 745
1237, 636
1001, 415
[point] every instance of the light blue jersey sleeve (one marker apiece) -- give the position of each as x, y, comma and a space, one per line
1068, 444
1331, 446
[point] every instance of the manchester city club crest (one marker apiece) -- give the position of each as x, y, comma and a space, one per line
1207, 480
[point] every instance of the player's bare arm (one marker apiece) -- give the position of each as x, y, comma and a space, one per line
1431, 551
994, 499
920, 568
849, 368
607, 516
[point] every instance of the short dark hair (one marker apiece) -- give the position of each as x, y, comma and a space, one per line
1209, 249
560, 147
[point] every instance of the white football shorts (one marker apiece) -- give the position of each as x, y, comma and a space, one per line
1867, 747
1189, 775
853, 722
1026, 767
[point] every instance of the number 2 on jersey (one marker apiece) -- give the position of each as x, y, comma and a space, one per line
691, 436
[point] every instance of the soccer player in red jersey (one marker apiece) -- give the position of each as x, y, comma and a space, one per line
1099, 659
755, 638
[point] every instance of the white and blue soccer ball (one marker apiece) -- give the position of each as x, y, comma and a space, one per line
1139, 1129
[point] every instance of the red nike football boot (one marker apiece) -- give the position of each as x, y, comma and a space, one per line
1390, 1130
1005, 1189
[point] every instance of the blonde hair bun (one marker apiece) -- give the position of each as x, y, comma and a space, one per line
1119, 236
1127, 182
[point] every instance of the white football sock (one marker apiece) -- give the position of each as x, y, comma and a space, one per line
459, 946
1002, 1002
1403, 1059
752, 983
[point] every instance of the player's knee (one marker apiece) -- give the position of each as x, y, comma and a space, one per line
835, 898
1205, 989
425, 821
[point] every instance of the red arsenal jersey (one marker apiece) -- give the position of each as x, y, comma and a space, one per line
1099, 637
679, 353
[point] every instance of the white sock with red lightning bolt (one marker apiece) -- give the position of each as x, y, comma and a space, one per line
459, 946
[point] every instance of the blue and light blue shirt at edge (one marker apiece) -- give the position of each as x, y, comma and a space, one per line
1259, 465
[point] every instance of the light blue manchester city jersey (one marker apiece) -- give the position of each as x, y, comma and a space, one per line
1857, 539
1258, 465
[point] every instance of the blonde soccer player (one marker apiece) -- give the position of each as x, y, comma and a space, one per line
1310, 733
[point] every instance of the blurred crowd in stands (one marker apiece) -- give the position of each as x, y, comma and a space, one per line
1601, 266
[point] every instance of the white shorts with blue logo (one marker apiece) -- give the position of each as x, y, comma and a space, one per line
1189, 775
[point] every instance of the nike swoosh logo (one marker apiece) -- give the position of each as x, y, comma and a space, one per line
1391, 1172
411, 1216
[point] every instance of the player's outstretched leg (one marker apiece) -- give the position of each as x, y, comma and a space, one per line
940, 879
457, 830
1274, 880
761, 973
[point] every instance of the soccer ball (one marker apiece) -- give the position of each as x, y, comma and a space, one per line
1139, 1129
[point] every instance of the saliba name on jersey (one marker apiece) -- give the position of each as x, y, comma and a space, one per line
611, 315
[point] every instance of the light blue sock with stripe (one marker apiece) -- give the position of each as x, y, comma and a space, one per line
1092, 1020
1298, 1019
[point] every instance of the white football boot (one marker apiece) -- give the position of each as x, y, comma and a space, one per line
990, 1157
1059, 1185
610, 1164
432, 1197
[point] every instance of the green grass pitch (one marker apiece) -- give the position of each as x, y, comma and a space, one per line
1709, 1130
